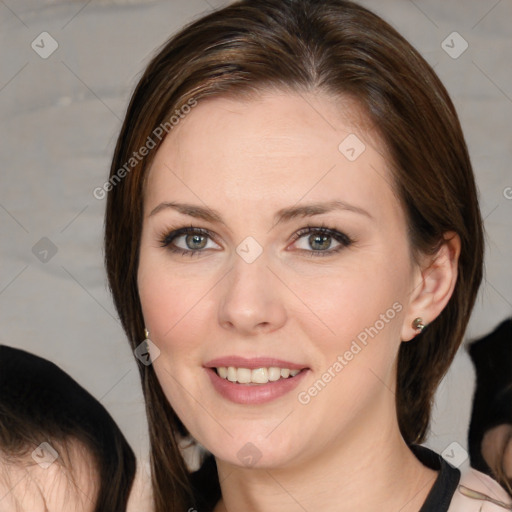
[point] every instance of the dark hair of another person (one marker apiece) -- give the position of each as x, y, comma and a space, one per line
332, 47
492, 400
39, 403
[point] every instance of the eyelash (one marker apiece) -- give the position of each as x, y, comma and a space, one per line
344, 240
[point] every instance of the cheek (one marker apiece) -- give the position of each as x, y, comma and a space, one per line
355, 354
174, 302
175, 310
364, 299
355, 341
507, 459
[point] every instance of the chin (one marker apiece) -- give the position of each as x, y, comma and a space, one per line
254, 452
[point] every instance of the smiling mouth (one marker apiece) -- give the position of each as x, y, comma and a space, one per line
257, 375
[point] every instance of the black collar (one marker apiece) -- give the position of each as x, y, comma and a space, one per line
441, 494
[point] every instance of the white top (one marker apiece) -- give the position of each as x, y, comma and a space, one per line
489, 488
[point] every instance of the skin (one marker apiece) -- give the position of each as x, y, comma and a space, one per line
70, 487
497, 443
247, 159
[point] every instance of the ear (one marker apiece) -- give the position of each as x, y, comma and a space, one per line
433, 283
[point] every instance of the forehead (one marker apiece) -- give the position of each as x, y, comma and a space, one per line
69, 486
279, 146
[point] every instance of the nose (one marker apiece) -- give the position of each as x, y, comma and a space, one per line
251, 299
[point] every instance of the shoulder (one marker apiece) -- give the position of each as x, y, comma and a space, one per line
141, 496
478, 492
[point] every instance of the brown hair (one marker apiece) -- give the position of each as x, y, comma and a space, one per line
336, 47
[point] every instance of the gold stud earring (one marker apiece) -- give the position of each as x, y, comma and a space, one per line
418, 324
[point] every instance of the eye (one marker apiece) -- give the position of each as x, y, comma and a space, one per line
187, 240
319, 240
312, 240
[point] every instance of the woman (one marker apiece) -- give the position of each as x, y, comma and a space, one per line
293, 223
490, 430
59, 447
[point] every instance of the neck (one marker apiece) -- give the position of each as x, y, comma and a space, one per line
369, 469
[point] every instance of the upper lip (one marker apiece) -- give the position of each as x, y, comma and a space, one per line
253, 363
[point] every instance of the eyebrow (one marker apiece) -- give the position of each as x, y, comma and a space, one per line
284, 214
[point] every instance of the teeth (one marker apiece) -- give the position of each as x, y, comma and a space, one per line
232, 374
256, 376
274, 374
259, 375
243, 375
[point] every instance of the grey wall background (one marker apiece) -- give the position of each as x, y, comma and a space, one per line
60, 115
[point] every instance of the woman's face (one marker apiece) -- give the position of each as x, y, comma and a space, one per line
256, 291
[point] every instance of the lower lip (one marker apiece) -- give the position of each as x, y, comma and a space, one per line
252, 394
